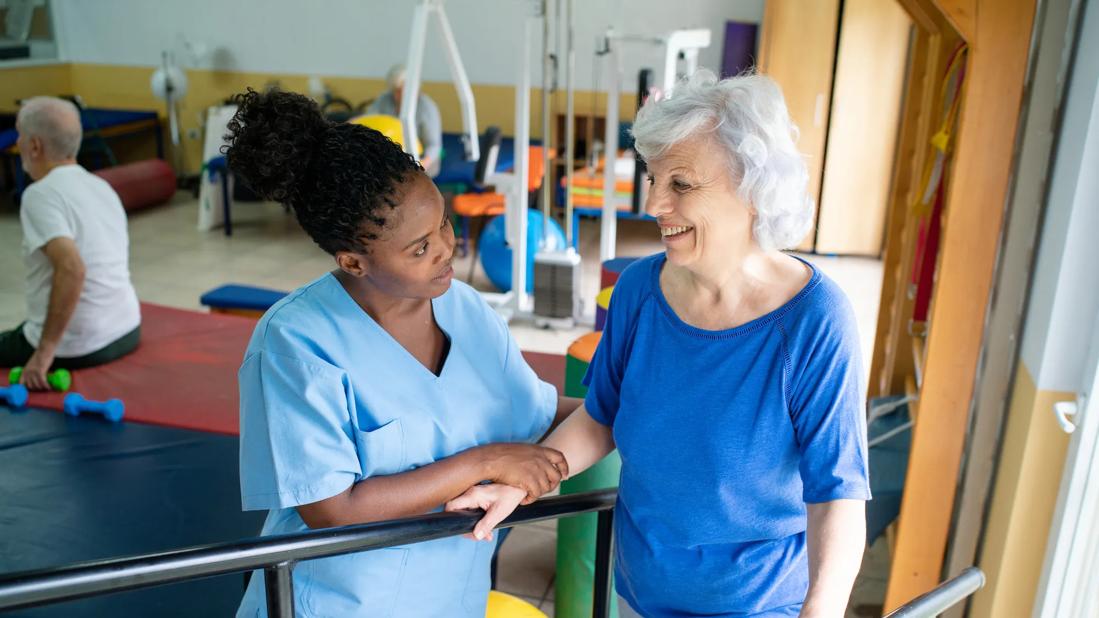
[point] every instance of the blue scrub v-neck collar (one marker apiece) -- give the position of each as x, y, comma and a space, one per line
403, 351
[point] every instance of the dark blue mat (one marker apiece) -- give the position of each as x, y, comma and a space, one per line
78, 489
92, 118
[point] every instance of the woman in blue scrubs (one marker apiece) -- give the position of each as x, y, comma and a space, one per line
728, 377
382, 389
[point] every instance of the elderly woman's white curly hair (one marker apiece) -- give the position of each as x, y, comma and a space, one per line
747, 116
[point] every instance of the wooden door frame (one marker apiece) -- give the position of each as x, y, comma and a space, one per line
998, 33
932, 43
1036, 152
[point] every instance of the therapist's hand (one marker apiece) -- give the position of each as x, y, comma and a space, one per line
498, 501
532, 468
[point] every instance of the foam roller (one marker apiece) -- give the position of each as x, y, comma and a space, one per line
141, 184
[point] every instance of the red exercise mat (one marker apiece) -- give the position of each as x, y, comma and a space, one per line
184, 372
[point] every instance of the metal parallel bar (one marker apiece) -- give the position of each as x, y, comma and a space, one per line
81, 580
604, 539
943, 596
279, 582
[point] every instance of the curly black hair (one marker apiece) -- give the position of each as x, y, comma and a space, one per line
337, 177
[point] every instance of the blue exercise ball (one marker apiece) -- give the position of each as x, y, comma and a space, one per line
496, 253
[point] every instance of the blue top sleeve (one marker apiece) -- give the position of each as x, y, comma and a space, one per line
825, 395
296, 438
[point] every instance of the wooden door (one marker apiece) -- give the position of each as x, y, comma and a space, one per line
862, 134
797, 49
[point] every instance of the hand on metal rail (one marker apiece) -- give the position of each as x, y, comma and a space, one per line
497, 501
532, 468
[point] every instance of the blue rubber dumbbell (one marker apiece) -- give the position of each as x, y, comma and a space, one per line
14, 395
112, 409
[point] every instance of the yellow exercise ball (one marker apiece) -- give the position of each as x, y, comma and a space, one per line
389, 126
502, 605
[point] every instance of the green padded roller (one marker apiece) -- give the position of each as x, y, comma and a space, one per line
576, 535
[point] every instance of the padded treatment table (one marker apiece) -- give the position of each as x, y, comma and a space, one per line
98, 124
78, 489
456, 170
103, 123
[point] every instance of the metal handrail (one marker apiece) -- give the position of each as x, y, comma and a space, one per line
277, 555
942, 597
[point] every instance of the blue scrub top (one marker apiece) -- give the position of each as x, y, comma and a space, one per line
724, 437
328, 398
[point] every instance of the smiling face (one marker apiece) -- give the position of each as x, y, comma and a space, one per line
694, 199
411, 258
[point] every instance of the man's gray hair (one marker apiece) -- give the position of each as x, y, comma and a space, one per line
747, 117
54, 121
395, 77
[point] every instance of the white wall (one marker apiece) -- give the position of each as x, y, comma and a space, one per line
1065, 294
362, 38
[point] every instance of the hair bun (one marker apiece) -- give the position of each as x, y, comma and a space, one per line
272, 141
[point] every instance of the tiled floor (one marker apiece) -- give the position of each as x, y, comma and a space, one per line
172, 263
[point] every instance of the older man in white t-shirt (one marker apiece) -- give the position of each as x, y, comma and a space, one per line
81, 307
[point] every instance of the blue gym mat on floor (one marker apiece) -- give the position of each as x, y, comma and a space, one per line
79, 489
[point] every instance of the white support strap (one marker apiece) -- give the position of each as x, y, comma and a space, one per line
414, 76
413, 72
461, 85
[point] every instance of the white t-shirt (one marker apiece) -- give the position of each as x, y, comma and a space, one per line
70, 202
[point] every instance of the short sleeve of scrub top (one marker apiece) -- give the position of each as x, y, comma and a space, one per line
301, 450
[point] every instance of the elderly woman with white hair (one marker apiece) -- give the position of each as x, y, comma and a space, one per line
728, 377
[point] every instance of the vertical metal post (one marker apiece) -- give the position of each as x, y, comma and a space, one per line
570, 117
548, 78
279, 582
413, 74
604, 541
515, 217
607, 241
